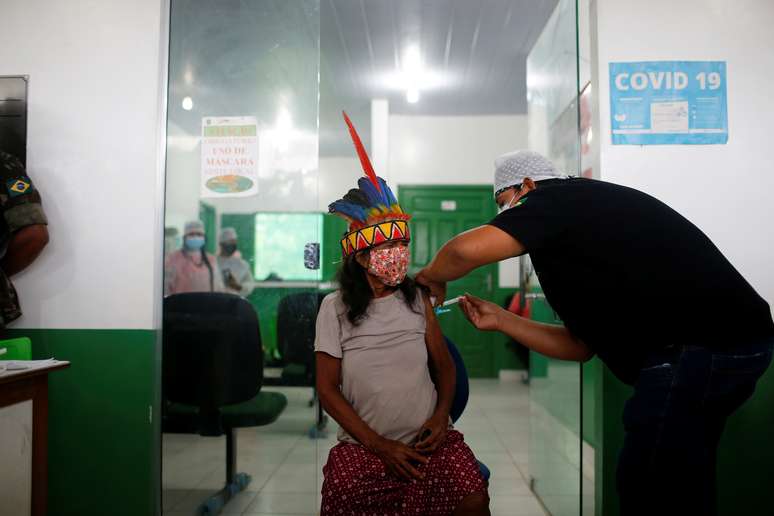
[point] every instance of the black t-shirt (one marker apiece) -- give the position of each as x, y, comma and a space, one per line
628, 275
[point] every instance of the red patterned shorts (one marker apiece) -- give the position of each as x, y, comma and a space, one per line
358, 484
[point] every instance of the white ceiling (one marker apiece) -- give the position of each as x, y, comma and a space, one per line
479, 47
247, 57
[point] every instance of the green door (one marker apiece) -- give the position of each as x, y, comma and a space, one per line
438, 214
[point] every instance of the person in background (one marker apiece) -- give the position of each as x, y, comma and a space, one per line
23, 231
191, 268
237, 276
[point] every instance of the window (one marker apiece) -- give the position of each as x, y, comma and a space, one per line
279, 245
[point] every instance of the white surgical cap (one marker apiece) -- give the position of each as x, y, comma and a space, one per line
513, 167
193, 226
228, 234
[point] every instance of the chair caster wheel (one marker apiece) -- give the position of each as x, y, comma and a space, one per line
242, 480
212, 506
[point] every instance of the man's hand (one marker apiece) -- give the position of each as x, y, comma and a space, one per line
482, 314
398, 458
231, 281
437, 288
432, 434
233, 284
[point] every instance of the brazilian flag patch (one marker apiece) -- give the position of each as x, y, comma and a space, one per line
19, 186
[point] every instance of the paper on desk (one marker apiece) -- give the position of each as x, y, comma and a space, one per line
19, 365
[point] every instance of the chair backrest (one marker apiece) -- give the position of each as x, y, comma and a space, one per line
462, 387
212, 352
296, 318
19, 348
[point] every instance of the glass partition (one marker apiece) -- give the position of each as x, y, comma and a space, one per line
256, 151
242, 160
555, 466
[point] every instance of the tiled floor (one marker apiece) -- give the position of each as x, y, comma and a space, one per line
286, 465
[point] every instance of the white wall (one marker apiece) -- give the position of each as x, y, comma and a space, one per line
454, 150
724, 189
93, 145
451, 150
337, 175
457, 150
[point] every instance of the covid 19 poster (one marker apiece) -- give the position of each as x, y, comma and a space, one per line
668, 102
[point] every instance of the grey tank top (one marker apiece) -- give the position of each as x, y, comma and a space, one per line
384, 369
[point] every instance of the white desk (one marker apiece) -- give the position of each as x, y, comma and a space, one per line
24, 437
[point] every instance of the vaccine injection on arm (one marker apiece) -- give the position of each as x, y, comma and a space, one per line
442, 309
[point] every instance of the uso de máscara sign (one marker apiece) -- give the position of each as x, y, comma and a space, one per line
668, 102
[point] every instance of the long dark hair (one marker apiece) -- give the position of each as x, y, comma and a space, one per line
356, 293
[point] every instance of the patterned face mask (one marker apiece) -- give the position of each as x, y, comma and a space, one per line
390, 265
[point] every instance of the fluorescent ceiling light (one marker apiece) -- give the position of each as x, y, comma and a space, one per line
413, 77
412, 72
412, 61
283, 129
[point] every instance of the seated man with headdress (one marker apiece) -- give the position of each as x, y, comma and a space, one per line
385, 375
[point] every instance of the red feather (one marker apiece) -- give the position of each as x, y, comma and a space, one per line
361, 152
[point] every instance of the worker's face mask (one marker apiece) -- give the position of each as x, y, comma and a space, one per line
194, 243
390, 264
228, 249
510, 203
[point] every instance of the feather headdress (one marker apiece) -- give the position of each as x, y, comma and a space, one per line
371, 210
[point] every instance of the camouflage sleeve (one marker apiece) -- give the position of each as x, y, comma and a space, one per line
19, 199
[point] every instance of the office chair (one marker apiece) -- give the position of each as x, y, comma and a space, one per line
296, 320
212, 373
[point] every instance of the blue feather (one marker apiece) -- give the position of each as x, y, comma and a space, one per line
374, 196
389, 197
349, 209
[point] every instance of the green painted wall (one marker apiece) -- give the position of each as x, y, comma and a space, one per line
208, 217
104, 453
745, 457
610, 396
333, 229
589, 377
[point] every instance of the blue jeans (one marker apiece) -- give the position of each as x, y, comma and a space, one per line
673, 424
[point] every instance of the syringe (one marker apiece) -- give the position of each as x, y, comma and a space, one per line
441, 309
